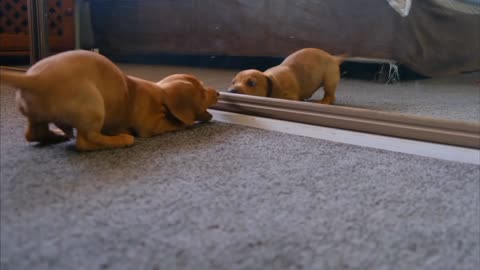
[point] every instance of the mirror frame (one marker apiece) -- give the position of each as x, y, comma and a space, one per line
450, 132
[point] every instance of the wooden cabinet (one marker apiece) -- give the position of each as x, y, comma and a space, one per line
14, 28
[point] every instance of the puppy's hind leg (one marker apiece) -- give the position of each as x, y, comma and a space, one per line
329, 95
89, 136
40, 132
330, 86
89, 123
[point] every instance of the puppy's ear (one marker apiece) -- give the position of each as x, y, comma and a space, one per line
182, 101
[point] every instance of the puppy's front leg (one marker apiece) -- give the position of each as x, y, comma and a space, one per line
204, 116
159, 125
330, 86
92, 140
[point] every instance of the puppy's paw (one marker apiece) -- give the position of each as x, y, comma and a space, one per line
127, 139
96, 141
204, 116
327, 101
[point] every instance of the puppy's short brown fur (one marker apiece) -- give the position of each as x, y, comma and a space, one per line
296, 78
86, 91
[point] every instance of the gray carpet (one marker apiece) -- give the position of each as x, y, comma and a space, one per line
220, 196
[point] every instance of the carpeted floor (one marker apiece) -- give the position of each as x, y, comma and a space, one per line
221, 196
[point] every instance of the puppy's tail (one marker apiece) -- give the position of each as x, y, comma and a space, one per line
340, 58
15, 78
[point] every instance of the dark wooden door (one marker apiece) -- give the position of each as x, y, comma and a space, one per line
14, 29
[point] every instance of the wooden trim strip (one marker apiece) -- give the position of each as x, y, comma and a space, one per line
14, 69
376, 122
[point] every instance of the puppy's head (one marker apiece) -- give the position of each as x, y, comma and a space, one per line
187, 98
250, 82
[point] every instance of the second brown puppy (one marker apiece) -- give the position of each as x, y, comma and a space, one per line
296, 78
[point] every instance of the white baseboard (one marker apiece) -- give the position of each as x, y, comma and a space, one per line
420, 148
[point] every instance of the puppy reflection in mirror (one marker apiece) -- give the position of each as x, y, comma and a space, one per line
298, 77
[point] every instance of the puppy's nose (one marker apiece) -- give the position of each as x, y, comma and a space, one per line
218, 94
233, 90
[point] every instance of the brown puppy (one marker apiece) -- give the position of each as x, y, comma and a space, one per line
296, 78
86, 91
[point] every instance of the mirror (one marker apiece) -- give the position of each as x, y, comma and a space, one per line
410, 57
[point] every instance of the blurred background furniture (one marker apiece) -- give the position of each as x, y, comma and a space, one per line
432, 38
14, 26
